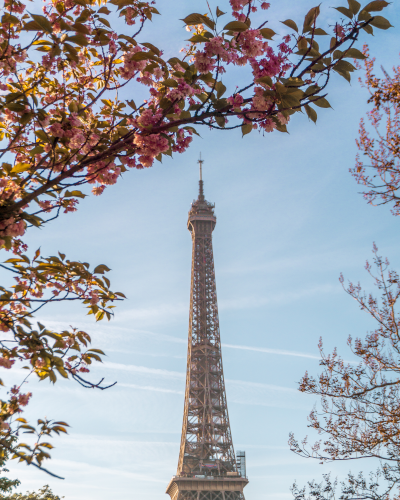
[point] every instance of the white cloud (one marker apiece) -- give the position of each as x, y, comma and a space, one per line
267, 350
151, 388
243, 392
275, 298
143, 369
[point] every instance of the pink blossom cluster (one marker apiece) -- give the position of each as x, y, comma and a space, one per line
183, 139
235, 101
217, 47
131, 65
182, 91
148, 118
103, 172
6, 362
9, 189
252, 44
238, 4
12, 227
150, 146
271, 65
261, 102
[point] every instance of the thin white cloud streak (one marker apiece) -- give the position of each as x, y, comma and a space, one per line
259, 385
180, 375
267, 350
83, 469
151, 388
170, 313
276, 298
172, 339
99, 440
143, 369
281, 352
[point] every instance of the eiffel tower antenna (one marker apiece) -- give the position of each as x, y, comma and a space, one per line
201, 189
207, 466
200, 162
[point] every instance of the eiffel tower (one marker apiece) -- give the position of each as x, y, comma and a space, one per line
207, 468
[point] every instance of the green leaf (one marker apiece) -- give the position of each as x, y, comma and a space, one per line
310, 19
72, 52
196, 38
98, 351
174, 60
25, 118
364, 16
219, 12
347, 12
99, 315
14, 96
321, 102
32, 26
132, 104
75, 193
337, 54
41, 135
140, 56
344, 66
101, 269
265, 79
267, 33
104, 21
354, 6
293, 81
7, 167
290, 101
9, 19
355, 54
246, 128
192, 129
344, 74
280, 127
195, 19
152, 48
62, 423
220, 88
302, 43
81, 28
375, 6
128, 39
44, 23
368, 29
237, 26
37, 150
170, 82
79, 39
21, 167
291, 24
62, 371
320, 32
220, 121
381, 23
15, 106
311, 113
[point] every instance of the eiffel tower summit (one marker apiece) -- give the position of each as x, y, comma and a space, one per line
207, 467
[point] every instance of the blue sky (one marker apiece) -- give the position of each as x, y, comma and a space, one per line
289, 220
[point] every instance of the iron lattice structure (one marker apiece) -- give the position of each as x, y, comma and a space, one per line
207, 468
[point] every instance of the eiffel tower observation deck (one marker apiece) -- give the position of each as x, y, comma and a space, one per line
207, 467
